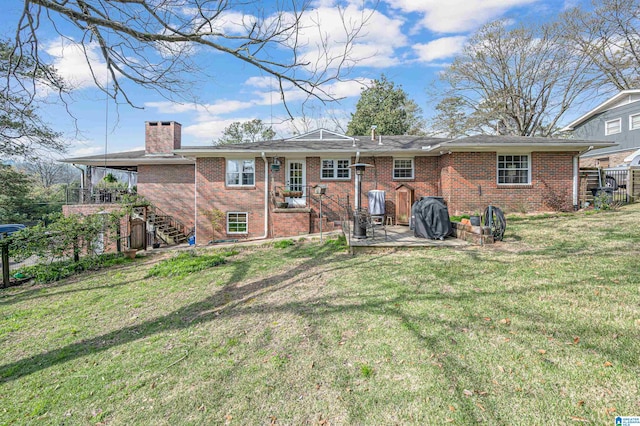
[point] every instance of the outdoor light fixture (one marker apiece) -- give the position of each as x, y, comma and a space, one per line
359, 228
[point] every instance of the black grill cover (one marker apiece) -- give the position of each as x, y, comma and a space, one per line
430, 218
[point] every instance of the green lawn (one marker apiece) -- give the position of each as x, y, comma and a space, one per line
543, 328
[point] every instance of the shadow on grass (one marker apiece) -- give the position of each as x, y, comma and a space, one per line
203, 311
36, 291
389, 301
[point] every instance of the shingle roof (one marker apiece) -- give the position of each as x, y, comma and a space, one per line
325, 142
494, 140
359, 143
127, 158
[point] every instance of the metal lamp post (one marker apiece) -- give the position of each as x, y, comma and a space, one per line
359, 228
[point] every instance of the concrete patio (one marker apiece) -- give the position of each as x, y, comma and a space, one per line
399, 236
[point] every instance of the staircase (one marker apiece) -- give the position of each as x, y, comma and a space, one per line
589, 179
167, 228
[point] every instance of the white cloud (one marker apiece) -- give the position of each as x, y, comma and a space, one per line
441, 48
262, 82
456, 16
207, 131
83, 150
70, 60
326, 31
349, 88
217, 108
210, 120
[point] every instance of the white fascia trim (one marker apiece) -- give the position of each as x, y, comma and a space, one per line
600, 108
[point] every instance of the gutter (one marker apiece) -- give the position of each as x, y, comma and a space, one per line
576, 178
195, 205
355, 183
266, 196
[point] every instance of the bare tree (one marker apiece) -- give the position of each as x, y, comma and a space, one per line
313, 116
50, 172
152, 42
517, 81
23, 133
249, 131
609, 35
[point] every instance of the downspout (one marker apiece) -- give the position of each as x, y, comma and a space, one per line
266, 196
576, 177
195, 203
355, 183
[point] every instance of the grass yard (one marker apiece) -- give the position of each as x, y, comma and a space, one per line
543, 328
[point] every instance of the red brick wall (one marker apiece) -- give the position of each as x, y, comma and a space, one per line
289, 224
89, 209
170, 188
379, 177
614, 159
162, 137
212, 193
469, 183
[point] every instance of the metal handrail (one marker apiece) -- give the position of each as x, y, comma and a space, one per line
95, 195
173, 222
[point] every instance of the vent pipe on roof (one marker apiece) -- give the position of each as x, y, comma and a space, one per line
373, 132
379, 139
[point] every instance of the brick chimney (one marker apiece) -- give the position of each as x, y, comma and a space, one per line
162, 137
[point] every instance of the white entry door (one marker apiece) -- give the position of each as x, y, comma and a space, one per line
296, 181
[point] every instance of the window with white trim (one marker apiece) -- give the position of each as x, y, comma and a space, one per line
403, 168
612, 127
240, 172
514, 169
335, 169
634, 122
237, 222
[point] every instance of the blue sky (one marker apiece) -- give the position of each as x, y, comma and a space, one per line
409, 41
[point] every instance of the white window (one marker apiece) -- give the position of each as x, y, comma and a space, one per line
237, 222
634, 122
403, 168
335, 169
240, 172
514, 169
612, 127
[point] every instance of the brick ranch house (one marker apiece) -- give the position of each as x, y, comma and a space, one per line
245, 183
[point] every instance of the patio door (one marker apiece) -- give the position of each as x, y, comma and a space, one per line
297, 181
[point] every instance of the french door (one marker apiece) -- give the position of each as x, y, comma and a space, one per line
297, 181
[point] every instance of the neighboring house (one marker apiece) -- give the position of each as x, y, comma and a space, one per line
616, 120
242, 181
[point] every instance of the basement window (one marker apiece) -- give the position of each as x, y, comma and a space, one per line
237, 222
514, 169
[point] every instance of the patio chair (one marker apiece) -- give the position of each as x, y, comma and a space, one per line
371, 222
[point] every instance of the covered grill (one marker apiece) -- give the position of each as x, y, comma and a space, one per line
430, 218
